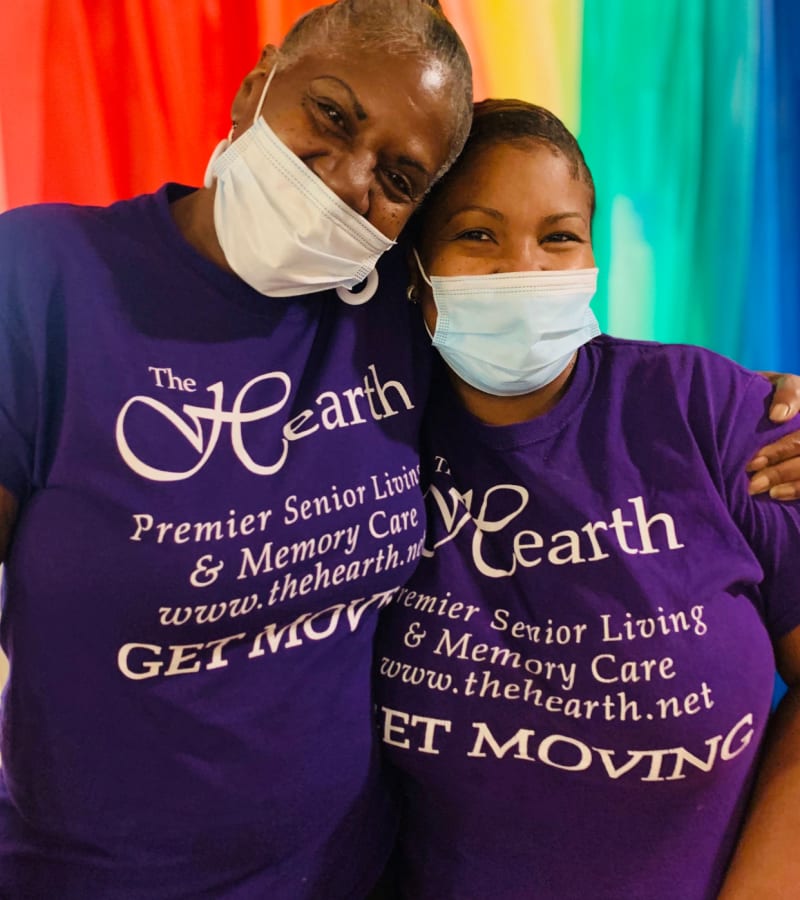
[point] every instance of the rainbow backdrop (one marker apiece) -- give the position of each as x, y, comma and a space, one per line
688, 112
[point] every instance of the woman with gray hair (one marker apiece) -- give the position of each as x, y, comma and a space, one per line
209, 485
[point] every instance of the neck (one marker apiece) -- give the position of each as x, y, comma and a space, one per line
194, 216
494, 410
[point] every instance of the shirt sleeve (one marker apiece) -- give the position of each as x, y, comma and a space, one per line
771, 528
23, 343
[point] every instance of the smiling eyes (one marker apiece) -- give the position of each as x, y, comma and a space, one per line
485, 235
562, 237
334, 115
330, 117
474, 234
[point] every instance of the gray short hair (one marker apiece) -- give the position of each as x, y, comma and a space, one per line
416, 28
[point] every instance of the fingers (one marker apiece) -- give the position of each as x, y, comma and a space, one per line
784, 449
782, 481
786, 399
777, 468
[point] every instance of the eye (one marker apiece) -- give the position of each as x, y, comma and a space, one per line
330, 114
475, 234
561, 237
398, 187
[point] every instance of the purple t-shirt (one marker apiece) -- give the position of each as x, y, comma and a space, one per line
575, 682
218, 493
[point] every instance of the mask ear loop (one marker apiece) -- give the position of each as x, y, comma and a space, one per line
421, 270
359, 298
267, 83
430, 285
222, 146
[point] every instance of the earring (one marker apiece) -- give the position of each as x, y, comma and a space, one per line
411, 294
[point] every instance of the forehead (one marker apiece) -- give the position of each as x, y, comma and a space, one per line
524, 174
405, 94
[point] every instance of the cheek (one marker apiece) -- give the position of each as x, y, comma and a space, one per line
388, 218
579, 257
454, 259
293, 131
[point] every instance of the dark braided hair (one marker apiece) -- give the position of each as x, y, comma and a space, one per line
518, 122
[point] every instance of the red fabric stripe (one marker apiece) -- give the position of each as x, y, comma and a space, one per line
110, 98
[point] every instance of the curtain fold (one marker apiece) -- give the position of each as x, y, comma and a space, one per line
112, 97
688, 111
669, 130
529, 50
787, 112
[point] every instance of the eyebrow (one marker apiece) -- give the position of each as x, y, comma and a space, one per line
414, 164
556, 217
360, 112
494, 213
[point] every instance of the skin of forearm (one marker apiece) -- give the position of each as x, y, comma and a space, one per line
8, 515
766, 862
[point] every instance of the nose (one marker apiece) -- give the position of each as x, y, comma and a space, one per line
349, 176
526, 255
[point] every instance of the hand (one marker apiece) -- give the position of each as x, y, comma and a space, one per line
786, 398
777, 466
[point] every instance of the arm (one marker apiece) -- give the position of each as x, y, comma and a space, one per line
776, 467
8, 515
766, 863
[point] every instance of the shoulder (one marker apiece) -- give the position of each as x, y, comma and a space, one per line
653, 354
686, 392
45, 247
694, 374
42, 242
45, 222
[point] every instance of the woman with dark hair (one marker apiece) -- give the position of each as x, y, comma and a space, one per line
575, 684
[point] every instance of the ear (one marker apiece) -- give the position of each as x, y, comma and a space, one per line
243, 106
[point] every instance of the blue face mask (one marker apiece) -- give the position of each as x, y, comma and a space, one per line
512, 333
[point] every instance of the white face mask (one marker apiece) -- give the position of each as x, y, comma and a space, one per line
511, 333
281, 228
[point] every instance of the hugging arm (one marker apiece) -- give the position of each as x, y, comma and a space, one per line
766, 863
776, 467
